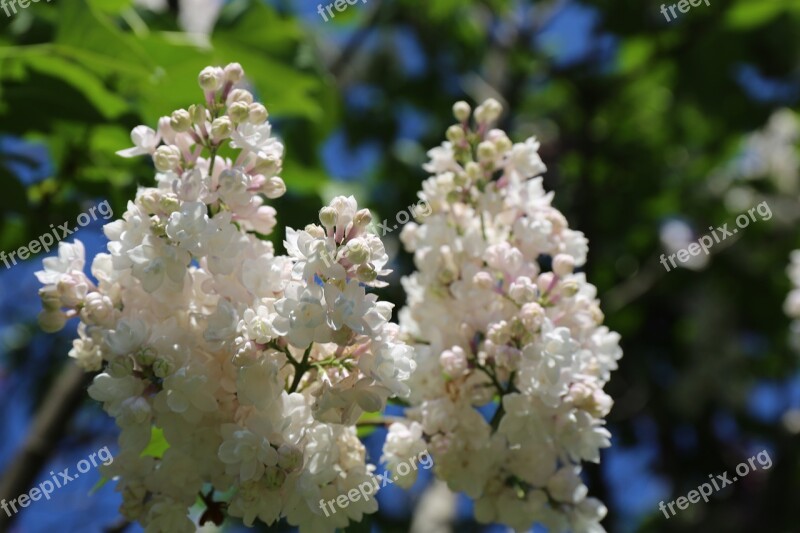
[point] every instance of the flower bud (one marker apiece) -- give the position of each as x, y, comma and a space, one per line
563, 265
180, 121
328, 216
146, 356
233, 72
315, 231
500, 140
273, 188
455, 134
366, 273
454, 361
162, 368
221, 128
290, 458
258, 113
51, 299
210, 78
120, 367
72, 289
198, 114
474, 171
531, 315
486, 152
362, 218
167, 158
499, 333
149, 200
357, 252
98, 310
483, 280
239, 112
169, 203
267, 164
274, 477
447, 275
569, 288
461, 111
488, 111
52, 321
240, 95
523, 290
544, 281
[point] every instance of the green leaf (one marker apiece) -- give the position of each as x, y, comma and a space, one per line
303, 180
634, 53
265, 44
84, 28
367, 430
111, 6
99, 485
749, 14
105, 101
158, 444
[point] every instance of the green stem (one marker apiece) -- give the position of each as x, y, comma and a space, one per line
384, 420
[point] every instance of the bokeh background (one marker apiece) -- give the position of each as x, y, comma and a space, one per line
651, 130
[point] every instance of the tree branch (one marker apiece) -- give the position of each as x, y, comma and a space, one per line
51, 421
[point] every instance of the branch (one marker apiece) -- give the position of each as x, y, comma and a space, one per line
51, 421
359, 38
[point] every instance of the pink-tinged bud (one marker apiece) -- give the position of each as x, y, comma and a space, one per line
210, 78
531, 315
239, 112
563, 265
258, 113
221, 128
167, 158
274, 187
454, 361
233, 72
181, 121
240, 95
483, 280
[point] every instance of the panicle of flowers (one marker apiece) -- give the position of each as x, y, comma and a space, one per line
254, 366
792, 304
497, 310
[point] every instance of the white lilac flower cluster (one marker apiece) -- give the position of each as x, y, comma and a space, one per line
254, 366
792, 304
497, 312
